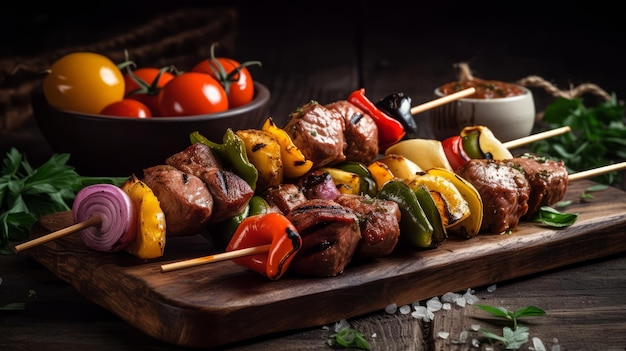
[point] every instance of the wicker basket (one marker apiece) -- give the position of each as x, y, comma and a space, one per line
181, 39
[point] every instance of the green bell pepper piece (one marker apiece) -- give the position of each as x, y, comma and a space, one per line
440, 233
367, 185
233, 152
415, 229
471, 145
222, 232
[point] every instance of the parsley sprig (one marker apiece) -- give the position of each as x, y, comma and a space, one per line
27, 193
347, 337
597, 137
514, 335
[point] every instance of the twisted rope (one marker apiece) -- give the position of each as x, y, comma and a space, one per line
533, 81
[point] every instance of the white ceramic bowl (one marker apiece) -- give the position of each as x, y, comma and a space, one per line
509, 118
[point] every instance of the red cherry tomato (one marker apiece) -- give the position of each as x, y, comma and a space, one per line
192, 93
239, 86
145, 83
127, 108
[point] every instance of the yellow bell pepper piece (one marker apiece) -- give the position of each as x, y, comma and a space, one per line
400, 166
380, 172
450, 203
295, 164
426, 153
346, 182
264, 153
470, 226
151, 227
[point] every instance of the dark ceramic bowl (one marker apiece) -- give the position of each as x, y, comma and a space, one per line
120, 146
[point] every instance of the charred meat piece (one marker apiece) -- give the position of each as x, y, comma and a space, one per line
318, 133
330, 236
230, 192
361, 132
195, 159
185, 199
285, 197
317, 184
379, 221
548, 181
504, 191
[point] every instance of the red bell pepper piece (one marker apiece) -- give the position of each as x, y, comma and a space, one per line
269, 228
390, 130
455, 153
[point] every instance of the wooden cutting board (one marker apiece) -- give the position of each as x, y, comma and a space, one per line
220, 303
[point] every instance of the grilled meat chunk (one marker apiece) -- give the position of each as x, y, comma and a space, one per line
361, 132
330, 236
230, 192
379, 222
504, 191
318, 133
285, 197
195, 159
548, 181
185, 199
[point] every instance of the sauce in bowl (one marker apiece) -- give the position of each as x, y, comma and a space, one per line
485, 89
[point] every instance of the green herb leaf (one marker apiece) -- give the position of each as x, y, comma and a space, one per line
496, 311
347, 337
529, 311
27, 193
14, 306
597, 137
597, 187
550, 217
513, 337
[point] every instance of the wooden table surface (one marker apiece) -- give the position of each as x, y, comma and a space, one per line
324, 52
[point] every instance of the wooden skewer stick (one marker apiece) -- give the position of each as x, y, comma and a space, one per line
91, 221
535, 137
215, 258
596, 171
442, 100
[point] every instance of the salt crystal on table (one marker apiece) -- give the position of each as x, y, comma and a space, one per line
450, 297
391, 309
406, 309
434, 304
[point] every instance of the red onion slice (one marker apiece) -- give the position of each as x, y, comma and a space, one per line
116, 210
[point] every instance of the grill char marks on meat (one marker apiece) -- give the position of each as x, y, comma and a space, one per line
184, 198
285, 197
318, 133
361, 132
504, 191
230, 192
548, 181
195, 159
330, 236
379, 224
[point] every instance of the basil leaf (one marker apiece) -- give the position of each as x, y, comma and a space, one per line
550, 217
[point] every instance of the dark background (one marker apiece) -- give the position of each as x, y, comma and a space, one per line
563, 43
572, 43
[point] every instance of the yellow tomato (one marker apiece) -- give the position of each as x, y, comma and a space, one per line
83, 82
